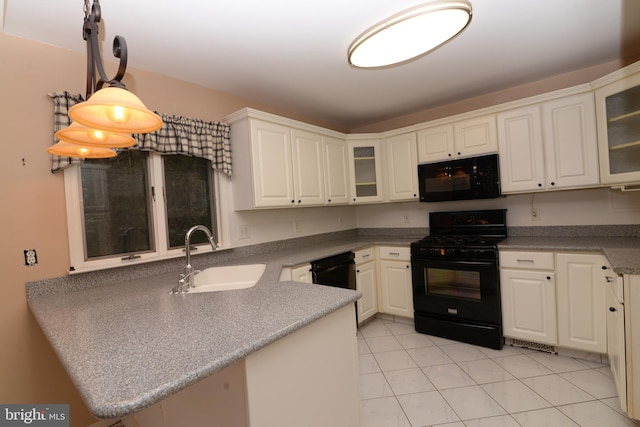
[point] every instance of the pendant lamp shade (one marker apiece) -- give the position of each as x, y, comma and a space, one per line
83, 135
64, 149
410, 34
115, 109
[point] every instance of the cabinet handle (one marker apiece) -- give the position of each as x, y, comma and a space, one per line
366, 255
548, 277
394, 253
609, 279
459, 153
329, 200
357, 271
612, 309
408, 266
553, 183
449, 154
604, 267
539, 185
525, 260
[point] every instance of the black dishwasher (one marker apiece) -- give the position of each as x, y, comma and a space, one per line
338, 271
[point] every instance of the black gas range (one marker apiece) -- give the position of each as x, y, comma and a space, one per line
456, 281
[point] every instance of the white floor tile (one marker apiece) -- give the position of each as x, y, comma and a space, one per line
401, 328
522, 366
595, 414
485, 371
368, 364
394, 360
549, 417
406, 381
593, 382
613, 403
363, 347
500, 421
514, 396
374, 328
429, 356
506, 350
557, 363
384, 412
556, 390
471, 402
447, 376
414, 340
427, 408
456, 424
374, 385
381, 344
462, 352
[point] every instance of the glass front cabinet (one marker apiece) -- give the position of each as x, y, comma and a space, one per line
618, 115
366, 171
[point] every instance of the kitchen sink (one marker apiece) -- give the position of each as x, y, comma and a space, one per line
227, 278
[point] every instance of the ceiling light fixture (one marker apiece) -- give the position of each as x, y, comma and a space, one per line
410, 34
110, 114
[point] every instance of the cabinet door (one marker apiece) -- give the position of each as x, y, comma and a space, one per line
366, 283
616, 342
301, 273
402, 167
476, 136
580, 287
521, 150
529, 305
336, 171
308, 171
271, 161
365, 171
435, 144
618, 116
395, 284
570, 141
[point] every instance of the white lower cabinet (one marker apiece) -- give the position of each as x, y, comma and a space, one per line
527, 283
395, 281
581, 288
366, 283
616, 351
302, 273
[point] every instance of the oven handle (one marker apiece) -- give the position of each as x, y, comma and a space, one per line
456, 261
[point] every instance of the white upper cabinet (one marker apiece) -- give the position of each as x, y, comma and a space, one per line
336, 167
308, 170
465, 138
550, 145
365, 171
276, 164
618, 115
402, 167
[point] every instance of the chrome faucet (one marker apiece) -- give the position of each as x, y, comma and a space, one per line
185, 282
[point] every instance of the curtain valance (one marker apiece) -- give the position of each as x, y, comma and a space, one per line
178, 135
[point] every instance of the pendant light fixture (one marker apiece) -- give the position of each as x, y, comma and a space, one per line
410, 34
110, 113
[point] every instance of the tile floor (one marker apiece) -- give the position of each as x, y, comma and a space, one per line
414, 380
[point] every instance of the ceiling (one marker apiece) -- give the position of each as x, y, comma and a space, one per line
292, 54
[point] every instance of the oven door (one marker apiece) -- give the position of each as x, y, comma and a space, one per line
458, 288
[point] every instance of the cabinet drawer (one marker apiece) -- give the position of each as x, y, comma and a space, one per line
529, 260
365, 255
395, 252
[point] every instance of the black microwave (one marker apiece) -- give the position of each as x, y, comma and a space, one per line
460, 179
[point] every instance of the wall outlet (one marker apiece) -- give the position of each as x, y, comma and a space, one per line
244, 232
30, 257
405, 218
296, 226
535, 214
339, 221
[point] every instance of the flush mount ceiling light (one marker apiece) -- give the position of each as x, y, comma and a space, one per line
410, 34
110, 113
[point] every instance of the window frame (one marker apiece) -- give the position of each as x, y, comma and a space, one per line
160, 251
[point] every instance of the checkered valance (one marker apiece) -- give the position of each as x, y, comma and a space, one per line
178, 135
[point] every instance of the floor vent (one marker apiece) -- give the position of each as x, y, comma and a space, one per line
534, 345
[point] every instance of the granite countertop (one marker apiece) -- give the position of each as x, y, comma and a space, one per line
130, 344
623, 253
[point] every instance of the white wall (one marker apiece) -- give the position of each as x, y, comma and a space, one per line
599, 206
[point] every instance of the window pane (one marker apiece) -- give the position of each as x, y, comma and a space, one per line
115, 200
189, 197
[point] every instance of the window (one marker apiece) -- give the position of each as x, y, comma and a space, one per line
137, 207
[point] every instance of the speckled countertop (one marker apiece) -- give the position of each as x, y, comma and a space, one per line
130, 344
623, 253
127, 344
